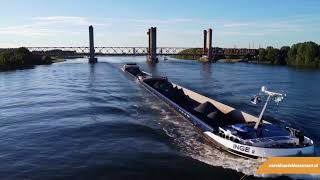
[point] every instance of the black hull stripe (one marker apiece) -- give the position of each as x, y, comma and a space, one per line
242, 154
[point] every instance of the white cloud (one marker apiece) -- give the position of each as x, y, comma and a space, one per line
51, 26
237, 25
28, 30
62, 19
237, 33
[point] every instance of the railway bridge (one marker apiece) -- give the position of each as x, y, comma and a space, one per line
206, 53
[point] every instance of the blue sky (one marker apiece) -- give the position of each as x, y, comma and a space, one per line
180, 23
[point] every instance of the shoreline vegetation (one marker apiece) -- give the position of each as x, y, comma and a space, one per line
22, 58
306, 54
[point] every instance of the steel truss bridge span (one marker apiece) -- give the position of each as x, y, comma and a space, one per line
137, 51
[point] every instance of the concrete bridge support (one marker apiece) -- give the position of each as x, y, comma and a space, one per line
92, 59
149, 42
152, 45
204, 42
207, 46
134, 51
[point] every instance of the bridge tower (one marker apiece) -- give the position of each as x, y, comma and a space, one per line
92, 59
152, 45
207, 46
204, 42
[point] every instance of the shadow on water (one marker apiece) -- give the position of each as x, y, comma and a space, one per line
206, 70
92, 74
152, 67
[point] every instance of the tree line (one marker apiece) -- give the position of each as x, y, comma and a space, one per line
21, 58
301, 54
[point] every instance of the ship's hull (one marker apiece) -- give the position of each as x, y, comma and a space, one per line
256, 152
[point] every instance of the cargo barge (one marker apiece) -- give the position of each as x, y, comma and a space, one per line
235, 131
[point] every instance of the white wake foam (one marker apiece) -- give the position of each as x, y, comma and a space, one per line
191, 142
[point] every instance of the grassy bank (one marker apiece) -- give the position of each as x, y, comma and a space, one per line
195, 54
189, 51
56, 60
230, 60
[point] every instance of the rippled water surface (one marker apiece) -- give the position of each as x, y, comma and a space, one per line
81, 121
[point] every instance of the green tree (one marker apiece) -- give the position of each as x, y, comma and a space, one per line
309, 52
304, 54
20, 58
272, 55
292, 54
46, 59
283, 59
262, 55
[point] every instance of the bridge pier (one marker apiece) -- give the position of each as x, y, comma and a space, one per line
92, 59
210, 44
204, 42
134, 51
152, 45
149, 41
208, 55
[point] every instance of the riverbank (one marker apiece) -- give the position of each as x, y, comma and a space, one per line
305, 54
230, 60
22, 58
243, 61
57, 60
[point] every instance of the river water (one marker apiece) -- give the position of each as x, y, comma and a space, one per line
73, 120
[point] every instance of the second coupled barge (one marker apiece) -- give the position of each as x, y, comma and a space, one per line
235, 131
